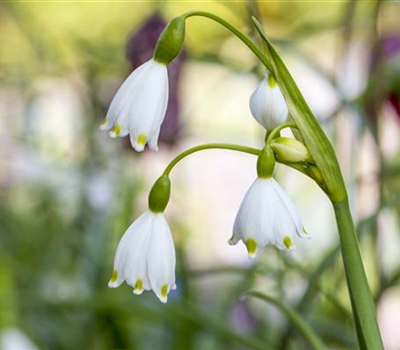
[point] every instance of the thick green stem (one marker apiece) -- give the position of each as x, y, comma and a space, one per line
227, 146
360, 295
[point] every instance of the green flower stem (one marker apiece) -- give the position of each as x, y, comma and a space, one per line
243, 37
303, 327
360, 295
277, 130
332, 183
195, 149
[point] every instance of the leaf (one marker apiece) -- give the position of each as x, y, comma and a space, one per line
298, 321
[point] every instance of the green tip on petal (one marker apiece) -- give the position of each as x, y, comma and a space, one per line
138, 288
117, 129
114, 277
141, 140
251, 246
271, 81
104, 121
287, 241
164, 293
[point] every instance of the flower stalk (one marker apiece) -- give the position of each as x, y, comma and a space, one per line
327, 175
325, 159
227, 146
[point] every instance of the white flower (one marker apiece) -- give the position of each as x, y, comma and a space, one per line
139, 106
266, 215
267, 104
145, 256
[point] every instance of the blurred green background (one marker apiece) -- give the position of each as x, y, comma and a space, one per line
68, 192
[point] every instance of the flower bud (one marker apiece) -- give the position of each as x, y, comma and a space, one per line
159, 194
170, 42
265, 163
268, 105
290, 150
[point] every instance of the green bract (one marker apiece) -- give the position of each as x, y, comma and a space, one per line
265, 163
159, 194
170, 42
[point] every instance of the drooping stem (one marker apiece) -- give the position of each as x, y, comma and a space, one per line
277, 130
243, 37
195, 149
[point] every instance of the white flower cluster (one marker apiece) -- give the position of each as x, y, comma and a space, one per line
145, 256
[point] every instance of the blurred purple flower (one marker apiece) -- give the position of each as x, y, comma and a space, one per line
384, 81
140, 48
390, 46
391, 53
394, 99
242, 319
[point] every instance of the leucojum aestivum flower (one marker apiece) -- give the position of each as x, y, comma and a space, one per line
145, 256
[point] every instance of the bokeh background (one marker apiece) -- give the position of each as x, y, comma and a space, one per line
68, 191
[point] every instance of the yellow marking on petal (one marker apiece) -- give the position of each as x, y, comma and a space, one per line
117, 129
287, 241
251, 246
164, 291
304, 231
271, 81
114, 276
141, 140
104, 121
138, 285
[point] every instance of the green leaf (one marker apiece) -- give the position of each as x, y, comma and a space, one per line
302, 326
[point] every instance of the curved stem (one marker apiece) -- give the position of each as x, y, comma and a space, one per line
243, 37
227, 146
277, 130
312, 338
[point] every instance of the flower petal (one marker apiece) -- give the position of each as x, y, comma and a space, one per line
161, 258
130, 256
266, 215
267, 104
139, 106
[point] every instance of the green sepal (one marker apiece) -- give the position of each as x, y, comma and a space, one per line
159, 194
266, 163
170, 42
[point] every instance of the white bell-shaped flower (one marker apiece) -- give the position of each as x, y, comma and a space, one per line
145, 256
139, 106
267, 104
266, 215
